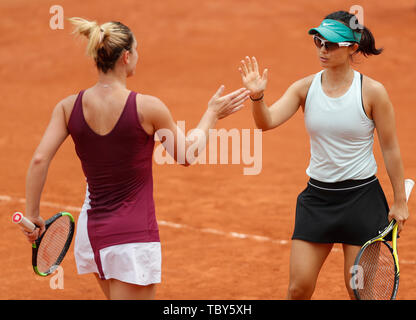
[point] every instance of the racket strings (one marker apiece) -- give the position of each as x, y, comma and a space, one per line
378, 273
53, 244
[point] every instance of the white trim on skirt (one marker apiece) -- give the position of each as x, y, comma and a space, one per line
136, 263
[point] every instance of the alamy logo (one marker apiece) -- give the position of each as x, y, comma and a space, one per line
241, 147
56, 278
57, 20
357, 21
357, 277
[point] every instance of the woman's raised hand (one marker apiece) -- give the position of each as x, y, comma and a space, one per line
223, 106
252, 80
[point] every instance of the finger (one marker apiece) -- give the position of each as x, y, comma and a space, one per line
244, 67
42, 230
241, 94
219, 91
234, 94
255, 65
237, 105
265, 72
389, 217
28, 233
249, 65
224, 114
238, 108
243, 75
241, 97
32, 236
231, 111
399, 226
35, 234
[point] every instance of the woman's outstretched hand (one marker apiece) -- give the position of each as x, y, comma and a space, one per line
252, 80
223, 106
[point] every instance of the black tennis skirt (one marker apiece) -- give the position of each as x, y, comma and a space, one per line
350, 212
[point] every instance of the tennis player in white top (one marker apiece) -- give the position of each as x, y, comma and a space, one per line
341, 109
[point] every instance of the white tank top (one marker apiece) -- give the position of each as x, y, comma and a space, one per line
341, 134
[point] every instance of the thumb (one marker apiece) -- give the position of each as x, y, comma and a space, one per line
42, 229
399, 226
265, 72
219, 91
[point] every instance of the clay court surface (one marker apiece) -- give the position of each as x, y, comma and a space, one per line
186, 50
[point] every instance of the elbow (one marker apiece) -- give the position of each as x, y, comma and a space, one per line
188, 157
188, 161
183, 160
263, 126
186, 164
39, 160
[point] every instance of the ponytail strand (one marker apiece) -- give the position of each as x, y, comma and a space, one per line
367, 45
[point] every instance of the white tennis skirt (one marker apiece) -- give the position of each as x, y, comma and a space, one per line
137, 263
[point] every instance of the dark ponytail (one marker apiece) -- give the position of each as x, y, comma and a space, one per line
367, 45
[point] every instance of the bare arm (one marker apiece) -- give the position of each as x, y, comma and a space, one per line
158, 115
52, 139
383, 115
265, 117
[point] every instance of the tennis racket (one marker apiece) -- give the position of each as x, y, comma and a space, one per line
50, 248
375, 273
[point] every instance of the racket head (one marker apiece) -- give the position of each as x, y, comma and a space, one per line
376, 248
50, 248
377, 270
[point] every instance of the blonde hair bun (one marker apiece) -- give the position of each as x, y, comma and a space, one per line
105, 42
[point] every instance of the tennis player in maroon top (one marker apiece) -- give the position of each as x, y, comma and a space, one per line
113, 131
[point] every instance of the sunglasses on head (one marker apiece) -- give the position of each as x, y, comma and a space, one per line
319, 42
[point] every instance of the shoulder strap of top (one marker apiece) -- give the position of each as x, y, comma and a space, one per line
76, 108
316, 81
131, 108
361, 91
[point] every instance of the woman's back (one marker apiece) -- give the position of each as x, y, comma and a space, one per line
116, 157
102, 107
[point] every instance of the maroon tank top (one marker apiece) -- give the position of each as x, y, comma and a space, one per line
118, 168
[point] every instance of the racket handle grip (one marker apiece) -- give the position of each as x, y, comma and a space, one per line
408, 186
20, 219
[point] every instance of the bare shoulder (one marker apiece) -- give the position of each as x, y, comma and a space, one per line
69, 101
305, 82
148, 101
66, 105
373, 90
150, 106
153, 113
302, 87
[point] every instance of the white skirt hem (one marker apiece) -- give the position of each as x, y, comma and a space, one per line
136, 263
